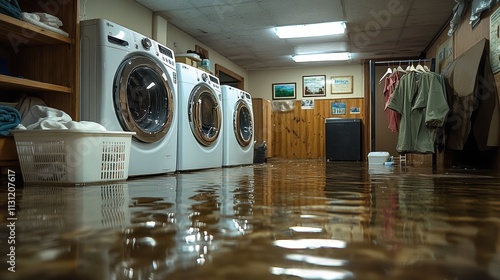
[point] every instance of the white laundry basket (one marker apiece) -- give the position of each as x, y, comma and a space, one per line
71, 156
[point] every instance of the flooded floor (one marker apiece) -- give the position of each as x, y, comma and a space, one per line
286, 219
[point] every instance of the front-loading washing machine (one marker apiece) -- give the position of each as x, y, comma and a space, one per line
238, 127
200, 124
128, 82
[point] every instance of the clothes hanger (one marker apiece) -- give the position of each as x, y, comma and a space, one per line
388, 72
408, 69
426, 68
412, 68
419, 68
400, 69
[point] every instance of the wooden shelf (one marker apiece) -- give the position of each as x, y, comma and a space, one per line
21, 32
40, 63
13, 83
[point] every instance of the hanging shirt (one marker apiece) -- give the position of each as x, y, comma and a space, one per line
420, 98
393, 117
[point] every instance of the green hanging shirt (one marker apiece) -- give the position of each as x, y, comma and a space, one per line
420, 98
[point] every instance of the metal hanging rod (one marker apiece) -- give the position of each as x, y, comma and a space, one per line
403, 61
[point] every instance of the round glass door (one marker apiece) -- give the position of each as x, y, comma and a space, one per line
205, 115
243, 124
143, 98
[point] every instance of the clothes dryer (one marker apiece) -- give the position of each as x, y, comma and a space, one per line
238, 127
200, 125
128, 82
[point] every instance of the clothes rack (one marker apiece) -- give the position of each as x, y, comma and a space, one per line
373, 85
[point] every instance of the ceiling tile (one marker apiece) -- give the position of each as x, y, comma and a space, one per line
245, 16
322, 47
376, 10
160, 5
290, 12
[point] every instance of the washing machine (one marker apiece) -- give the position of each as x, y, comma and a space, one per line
200, 124
128, 82
238, 127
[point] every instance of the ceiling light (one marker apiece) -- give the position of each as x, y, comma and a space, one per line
311, 30
321, 57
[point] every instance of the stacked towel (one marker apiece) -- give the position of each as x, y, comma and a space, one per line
49, 20
10, 8
45, 21
9, 119
44, 117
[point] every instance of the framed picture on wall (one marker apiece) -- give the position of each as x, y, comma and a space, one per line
338, 108
314, 85
284, 91
341, 84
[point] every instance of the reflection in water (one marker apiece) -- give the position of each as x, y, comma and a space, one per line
285, 219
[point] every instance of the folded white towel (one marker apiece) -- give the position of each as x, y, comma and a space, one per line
51, 24
50, 118
45, 18
31, 16
28, 18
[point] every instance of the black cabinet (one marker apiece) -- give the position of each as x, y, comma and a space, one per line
343, 139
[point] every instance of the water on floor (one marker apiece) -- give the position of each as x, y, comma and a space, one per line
285, 219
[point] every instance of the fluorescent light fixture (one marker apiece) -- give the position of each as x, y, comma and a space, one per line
310, 30
322, 57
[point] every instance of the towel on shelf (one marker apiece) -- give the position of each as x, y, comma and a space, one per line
10, 8
49, 19
31, 18
9, 119
44, 117
51, 24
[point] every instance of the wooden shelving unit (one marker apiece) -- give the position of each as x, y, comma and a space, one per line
41, 63
33, 34
14, 84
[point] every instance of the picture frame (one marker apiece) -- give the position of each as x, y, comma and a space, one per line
355, 110
307, 104
341, 84
284, 91
314, 86
338, 108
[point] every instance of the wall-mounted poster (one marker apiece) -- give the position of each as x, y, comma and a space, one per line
307, 104
338, 108
341, 84
314, 85
354, 110
284, 91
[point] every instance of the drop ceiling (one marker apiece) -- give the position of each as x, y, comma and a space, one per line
242, 30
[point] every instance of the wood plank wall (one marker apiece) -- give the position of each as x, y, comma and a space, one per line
300, 133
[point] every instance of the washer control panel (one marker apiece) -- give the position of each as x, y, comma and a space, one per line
163, 53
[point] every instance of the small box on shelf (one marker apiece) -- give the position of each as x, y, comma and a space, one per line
186, 60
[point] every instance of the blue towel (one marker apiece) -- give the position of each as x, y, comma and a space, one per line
9, 119
10, 8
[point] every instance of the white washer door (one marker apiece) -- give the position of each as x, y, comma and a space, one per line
205, 115
243, 123
143, 97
